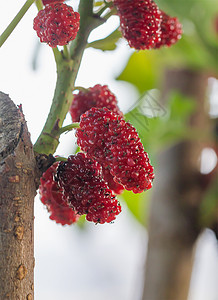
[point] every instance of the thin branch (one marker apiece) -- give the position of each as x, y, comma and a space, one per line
15, 21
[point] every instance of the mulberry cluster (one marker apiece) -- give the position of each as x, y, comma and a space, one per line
97, 96
115, 144
145, 26
51, 195
140, 22
85, 190
171, 31
113, 159
56, 24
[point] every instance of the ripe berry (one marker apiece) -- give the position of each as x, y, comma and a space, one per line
56, 24
140, 22
171, 31
97, 96
85, 190
44, 2
116, 187
115, 144
51, 195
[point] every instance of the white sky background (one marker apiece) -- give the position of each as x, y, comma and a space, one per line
103, 262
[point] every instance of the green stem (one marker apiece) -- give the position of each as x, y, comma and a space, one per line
66, 52
60, 158
15, 21
49, 137
67, 71
68, 127
80, 88
88, 21
101, 10
39, 4
57, 55
110, 13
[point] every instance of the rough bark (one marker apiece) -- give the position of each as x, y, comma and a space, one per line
177, 195
17, 192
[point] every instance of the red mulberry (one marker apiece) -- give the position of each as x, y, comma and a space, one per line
115, 144
85, 190
56, 24
140, 22
171, 31
51, 1
116, 187
97, 96
51, 195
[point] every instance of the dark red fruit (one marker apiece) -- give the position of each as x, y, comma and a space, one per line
116, 187
51, 195
171, 31
44, 2
85, 190
140, 22
97, 96
115, 144
56, 24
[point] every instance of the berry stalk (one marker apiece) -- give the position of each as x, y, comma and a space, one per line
102, 10
67, 70
68, 127
88, 22
15, 21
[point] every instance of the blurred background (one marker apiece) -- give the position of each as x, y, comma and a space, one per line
171, 97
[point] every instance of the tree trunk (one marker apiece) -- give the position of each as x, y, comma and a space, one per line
17, 192
177, 195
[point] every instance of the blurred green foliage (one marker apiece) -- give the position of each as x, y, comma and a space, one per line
107, 44
142, 70
159, 126
157, 132
209, 207
137, 204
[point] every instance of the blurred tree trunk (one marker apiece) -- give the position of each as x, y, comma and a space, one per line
177, 195
17, 191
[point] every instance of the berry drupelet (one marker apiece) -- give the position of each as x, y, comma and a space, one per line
116, 187
171, 31
56, 24
140, 22
85, 190
96, 96
115, 144
51, 195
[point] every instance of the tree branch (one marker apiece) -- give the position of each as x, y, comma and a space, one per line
18, 189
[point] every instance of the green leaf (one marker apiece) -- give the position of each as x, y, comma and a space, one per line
138, 204
142, 70
108, 43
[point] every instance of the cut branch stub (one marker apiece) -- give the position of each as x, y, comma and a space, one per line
17, 192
